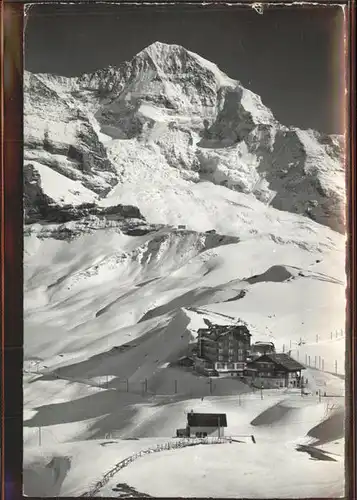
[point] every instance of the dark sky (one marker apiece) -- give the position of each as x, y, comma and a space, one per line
291, 56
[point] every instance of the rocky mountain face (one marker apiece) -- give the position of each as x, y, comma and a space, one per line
167, 113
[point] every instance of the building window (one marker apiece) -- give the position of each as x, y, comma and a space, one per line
201, 434
220, 357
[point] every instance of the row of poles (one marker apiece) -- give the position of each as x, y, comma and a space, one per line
316, 362
145, 390
144, 385
333, 335
319, 363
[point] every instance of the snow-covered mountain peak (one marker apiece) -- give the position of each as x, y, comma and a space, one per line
177, 60
158, 50
171, 118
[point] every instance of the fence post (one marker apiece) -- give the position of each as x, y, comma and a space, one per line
309, 361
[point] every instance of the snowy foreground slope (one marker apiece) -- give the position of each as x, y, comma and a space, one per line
125, 171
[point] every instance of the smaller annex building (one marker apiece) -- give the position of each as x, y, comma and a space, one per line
202, 425
275, 370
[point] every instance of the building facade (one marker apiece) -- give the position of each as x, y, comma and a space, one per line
224, 348
259, 348
202, 432
202, 425
276, 369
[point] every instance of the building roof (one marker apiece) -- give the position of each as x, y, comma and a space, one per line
283, 360
263, 345
207, 419
216, 331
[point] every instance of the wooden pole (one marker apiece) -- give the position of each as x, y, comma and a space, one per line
39, 436
219, 427
323, 363
309, 361
127, 385
175, 386
210, 386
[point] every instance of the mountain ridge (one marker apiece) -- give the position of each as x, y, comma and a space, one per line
183, 114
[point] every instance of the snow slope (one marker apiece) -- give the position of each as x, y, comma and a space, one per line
279, 424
